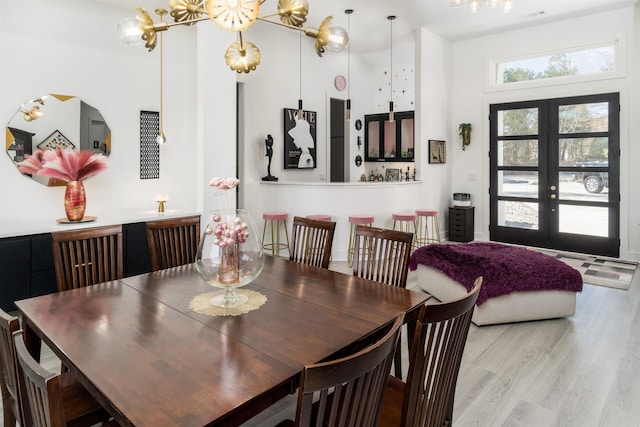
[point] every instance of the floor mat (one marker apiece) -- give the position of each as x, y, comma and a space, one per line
600, 271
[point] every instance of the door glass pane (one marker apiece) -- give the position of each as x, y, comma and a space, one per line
518, 153
406, 137
587, 220
523, 121
585, 152
592, 189
373, 139
518, 184
389, 139
518, 215
583, 118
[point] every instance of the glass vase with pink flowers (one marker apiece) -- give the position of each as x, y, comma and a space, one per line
230, 254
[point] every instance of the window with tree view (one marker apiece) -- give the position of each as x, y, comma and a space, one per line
578, 62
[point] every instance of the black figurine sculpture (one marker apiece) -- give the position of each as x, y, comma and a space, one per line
269, 145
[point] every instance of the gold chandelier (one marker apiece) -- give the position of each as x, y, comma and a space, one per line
234, 15
33, 113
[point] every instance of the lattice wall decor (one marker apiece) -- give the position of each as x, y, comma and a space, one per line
149, 149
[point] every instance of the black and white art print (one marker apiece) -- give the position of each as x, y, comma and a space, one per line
299, 139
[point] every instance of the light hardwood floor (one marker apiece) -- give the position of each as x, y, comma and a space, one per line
580, 371
577, 372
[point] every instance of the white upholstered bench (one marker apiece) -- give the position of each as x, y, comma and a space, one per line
518, 284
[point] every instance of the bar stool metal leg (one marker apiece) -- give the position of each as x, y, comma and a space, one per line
275, 220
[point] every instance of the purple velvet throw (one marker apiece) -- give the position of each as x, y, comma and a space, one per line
504, 268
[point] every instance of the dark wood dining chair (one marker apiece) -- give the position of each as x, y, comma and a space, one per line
426, 399
383, 255
349, 390
87, 256
311, 241
75, 405
173, 242
11, 404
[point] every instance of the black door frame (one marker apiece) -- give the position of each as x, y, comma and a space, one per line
548, 169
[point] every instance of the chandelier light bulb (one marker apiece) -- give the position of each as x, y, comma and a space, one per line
456, 3
338, 38
161, 139
507, 5
474, 6
130, 32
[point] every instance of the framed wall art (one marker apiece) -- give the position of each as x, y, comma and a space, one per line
437, 151
56, 139
299, 139
392, 175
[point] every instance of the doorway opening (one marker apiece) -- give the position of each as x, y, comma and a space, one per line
338, 148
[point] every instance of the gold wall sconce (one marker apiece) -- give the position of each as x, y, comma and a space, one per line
234, 15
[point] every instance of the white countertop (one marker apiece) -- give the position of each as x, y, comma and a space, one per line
48, 225
341, 184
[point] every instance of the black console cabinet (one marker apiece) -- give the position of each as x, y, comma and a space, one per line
26, 263
461, 223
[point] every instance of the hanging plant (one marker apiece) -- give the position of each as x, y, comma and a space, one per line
464, 130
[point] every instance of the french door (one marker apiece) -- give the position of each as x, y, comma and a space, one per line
555, 174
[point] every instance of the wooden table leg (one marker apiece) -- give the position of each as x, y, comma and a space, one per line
32, 341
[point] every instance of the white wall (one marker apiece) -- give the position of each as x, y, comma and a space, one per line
73, 48
471, 100
82, 55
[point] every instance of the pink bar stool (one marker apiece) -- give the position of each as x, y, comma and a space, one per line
428, 228
356, 220
320, 217
275, 220
407, 222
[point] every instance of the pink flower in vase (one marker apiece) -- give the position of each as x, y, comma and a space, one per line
65, 165
227, 234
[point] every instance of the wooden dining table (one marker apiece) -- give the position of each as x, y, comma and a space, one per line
150, 360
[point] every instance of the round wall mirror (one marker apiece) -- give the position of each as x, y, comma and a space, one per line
53, 121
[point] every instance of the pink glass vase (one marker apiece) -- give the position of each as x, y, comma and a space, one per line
75, 200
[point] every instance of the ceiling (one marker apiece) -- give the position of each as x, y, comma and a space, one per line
370, 28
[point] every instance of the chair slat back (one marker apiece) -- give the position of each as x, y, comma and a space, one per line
312, 241
9, 383
42, 388
88, 256
382, 255
350, 389
434, 363
173, 242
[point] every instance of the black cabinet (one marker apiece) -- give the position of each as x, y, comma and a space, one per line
386, 141
27, 270
461, 223
137, 259
15, 271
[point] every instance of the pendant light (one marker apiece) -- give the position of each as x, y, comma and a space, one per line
300, 111
391, 115
161, 139
349, 12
